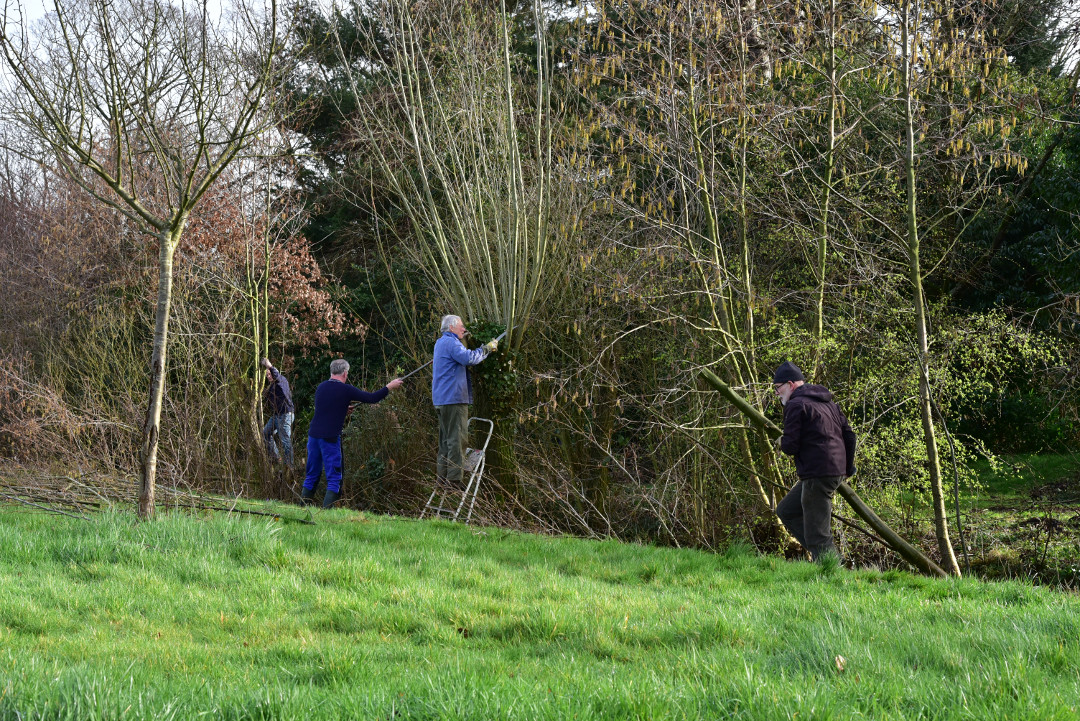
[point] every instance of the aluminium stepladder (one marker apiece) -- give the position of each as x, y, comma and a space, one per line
474, 461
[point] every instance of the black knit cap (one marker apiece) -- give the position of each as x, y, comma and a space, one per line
787, 371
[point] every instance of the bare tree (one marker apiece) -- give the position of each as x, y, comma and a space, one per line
954, 113
465, 147
677, 100
458, 127
144, 104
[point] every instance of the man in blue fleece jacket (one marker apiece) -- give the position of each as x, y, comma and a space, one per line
451, 394
332, 399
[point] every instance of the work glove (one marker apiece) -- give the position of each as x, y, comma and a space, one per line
491, 346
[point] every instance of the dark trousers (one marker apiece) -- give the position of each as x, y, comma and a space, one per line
806, 511
453, 435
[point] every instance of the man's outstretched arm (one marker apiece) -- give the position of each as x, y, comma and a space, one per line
467, 357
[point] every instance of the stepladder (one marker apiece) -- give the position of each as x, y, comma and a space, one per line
440, 503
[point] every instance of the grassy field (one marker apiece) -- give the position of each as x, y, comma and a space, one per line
1026, 520
373, 617
1020, 474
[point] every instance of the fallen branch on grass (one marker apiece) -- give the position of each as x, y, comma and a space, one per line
44, 508
45, 491
306, 521
866, 532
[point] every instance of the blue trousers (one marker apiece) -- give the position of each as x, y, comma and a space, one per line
322, 452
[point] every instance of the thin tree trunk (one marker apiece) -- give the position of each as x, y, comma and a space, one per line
258, 296
826, 192
152, 425
724, 315
756, 42
260, 460
744, 240
605, 423
941, 525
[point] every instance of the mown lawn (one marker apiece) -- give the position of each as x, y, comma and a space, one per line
372, 617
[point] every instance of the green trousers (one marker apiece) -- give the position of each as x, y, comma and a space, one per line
453, 435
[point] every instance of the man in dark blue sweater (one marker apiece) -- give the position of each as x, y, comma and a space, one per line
332, 399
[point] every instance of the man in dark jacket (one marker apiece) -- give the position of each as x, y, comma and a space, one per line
451, 394
279, 406
332, 399
819, 437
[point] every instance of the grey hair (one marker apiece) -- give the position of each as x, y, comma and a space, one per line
338, 366
447, 321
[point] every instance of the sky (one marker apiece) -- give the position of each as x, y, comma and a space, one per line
33, 9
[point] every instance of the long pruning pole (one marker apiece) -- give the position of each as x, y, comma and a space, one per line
906, 551
414, 372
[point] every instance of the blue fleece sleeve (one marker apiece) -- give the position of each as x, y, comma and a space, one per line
464, 356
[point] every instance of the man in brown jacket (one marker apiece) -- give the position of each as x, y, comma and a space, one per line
820, 439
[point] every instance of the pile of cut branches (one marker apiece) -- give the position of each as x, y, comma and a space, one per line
81, 493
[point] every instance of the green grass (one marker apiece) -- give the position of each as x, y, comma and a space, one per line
1025, 523
370, 617
1018, 473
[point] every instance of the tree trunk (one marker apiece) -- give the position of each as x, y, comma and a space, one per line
941, 525
258, 300
600, 483
826, 193
497, 403
756, 43
152, 425
501, 463
933, 461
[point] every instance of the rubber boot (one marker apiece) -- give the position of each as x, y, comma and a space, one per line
307, 496
329, 498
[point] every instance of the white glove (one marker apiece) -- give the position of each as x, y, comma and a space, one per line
491, 346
